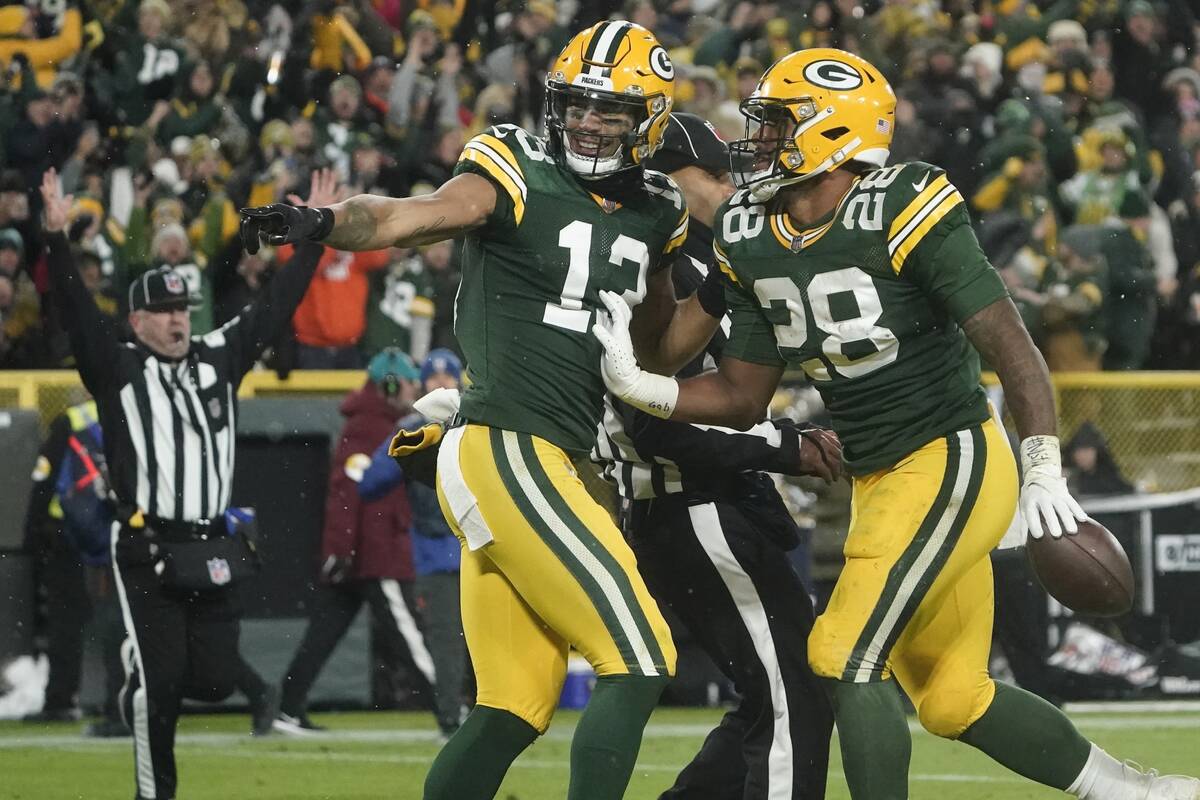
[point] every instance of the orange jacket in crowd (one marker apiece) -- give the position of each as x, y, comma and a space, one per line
334, 311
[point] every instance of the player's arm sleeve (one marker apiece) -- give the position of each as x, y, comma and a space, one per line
766, 446
489, 155
751, 334
93, 336
931, 243
383, 474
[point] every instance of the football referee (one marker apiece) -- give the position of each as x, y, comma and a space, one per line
711, 533
167, 403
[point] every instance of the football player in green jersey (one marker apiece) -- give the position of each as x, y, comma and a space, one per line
869, 278
548, 225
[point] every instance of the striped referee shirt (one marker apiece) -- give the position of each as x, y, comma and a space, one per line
169, 425
648, 457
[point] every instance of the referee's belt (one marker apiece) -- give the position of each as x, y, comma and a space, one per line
180, 530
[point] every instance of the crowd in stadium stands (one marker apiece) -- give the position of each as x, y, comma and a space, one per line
1072, 127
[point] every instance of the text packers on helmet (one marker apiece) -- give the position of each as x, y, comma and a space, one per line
812, 111
611, 66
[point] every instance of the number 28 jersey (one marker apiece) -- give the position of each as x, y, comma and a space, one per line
531, 278
869, 304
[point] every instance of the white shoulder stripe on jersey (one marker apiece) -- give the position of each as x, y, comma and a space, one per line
919, 217
501, 163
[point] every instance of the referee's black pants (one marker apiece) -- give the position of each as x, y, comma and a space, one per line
333, 610
184, 644
738, 595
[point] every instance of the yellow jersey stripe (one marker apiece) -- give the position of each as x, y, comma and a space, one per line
678, 235
787, 227
918, 203
723, 263
810, 237
503, 178
777, 229
513, 172
503, 150
895, 242
931, 219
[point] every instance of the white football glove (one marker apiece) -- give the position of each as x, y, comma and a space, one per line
439, 405
654, 394
1044, 493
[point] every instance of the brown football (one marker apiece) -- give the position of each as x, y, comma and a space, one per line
1088, 572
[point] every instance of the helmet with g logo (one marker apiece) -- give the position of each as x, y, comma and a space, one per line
612, 67
812, 112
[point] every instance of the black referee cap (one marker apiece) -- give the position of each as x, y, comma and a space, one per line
161, 289
691, 141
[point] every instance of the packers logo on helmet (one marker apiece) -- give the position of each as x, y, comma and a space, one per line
617, 70
812, 112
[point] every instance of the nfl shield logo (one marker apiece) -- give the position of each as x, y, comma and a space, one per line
797, 244
173, 283
214, 407
218, 571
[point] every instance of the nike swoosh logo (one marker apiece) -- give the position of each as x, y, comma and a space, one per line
921, 184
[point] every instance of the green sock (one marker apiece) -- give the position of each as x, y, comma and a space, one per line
609, 735
1031, 737
472, 764
873, 733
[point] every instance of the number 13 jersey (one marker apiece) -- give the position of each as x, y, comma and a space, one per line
869, 303
531, 278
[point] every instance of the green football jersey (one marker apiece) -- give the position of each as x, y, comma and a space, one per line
878, 290
531, 278
399, 294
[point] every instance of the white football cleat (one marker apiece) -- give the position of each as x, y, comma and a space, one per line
1163, 787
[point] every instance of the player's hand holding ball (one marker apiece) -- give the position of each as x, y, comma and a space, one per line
1046, 503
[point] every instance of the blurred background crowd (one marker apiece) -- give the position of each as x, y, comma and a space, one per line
1072, 127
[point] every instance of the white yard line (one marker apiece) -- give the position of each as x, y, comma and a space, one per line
1132, 707
532, 763
558, 733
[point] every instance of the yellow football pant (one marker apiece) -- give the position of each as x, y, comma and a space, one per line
544, 569
915, 597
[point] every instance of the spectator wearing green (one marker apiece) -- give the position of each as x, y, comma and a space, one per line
147, 67
400, 306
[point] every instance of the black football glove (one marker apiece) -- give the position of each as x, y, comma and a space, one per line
280, 223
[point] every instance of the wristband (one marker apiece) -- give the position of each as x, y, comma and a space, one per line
324, 225
1040, 456
711, 294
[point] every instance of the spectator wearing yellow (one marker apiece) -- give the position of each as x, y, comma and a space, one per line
17, 35
1096, 195
1020, 186
1072, 298
336, 46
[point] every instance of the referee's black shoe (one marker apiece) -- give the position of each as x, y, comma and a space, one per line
263, 710
299, 725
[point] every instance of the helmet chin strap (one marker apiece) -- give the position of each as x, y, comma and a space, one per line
587, 167
764, 191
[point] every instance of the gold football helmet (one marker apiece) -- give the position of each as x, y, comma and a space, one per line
613, 68
812, 112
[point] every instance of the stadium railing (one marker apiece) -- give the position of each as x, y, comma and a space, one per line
1151, 420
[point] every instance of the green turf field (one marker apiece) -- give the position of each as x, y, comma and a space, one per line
385, 755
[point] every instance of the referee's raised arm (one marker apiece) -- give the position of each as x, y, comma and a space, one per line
93, 335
